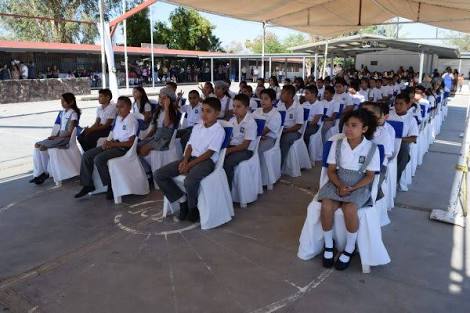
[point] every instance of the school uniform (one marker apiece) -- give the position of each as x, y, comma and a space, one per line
40, 155
273, 123
103, 113
193, 117
140, 116
357, 99
321, 91
123, 130
202, 139
331, 107
253, 104
410, 128
364, 93
226, 104
245, 130
383, 136
375, 94
351, 167
294, 116
315, 109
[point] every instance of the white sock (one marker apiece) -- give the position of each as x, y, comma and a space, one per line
350, 245
328, 236
182, 199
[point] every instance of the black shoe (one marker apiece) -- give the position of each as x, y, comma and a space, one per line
340, 265
328, 262
34, 180
85, 190
110, 194
183, 211
41, 178
193, 215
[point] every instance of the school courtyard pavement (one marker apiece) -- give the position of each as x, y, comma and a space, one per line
59, 254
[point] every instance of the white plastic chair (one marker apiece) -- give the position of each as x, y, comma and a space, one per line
270, 162
315, 147
214, 200
371, 248
65, 163
391, 180
247, 182
298, 157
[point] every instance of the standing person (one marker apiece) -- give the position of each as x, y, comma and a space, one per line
124, 132
105, 115
5, 73
24, 70
68, 119
15, 71
447, 78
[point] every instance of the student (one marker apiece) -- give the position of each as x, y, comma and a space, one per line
124, 132
243, 141
105, 115
141, 108
356, 97
410, 130
420, 98
415, 108
293, 121
230, 92
332, 110
364, 89
200, 156
315, 108
193, 112
247, 90
321, 88
241, 85
164, 123
342, 97
274, 85
207, 90
69, 117
374, 93
352, 162
272, 117
259, 87
221, 93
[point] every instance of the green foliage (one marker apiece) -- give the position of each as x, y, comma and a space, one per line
138, 29
273, 44
463, 43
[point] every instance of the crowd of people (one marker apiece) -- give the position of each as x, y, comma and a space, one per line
350, 109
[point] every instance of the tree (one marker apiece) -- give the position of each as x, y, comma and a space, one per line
294, 40
463, 43
187, 30
272, 44
235, 47
138, 29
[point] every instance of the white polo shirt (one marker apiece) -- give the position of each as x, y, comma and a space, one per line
315, 108
193, 114
273, 120
331, 107
344, 99
357, 99
136, 109
375, 94
320, 92
65, 116
426, 104
383, 136
106, 113
226, 103
207, 138
245, 130
253, 104
125, 128
410, 126
294, 115
352, 159
364, 93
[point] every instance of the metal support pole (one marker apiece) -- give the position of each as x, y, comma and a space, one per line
270, 66
103, 55
262, 50
421, 66
212, 70
325, 59
460, 65
315, 68
285, 68
126, 59
239, 69
151, 46
303, 67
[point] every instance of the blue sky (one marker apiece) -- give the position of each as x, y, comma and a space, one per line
229, 29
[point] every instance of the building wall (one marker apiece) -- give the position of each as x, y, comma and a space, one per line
392, 59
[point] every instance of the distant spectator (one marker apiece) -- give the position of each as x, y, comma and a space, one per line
5, 73
23, 70
32, 70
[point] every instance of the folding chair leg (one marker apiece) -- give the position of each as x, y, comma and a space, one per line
365, 269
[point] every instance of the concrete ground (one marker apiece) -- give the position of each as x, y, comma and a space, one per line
59, 254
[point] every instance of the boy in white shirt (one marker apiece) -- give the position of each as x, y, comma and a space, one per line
374, 93
200, 156
410, 130
105, 115
248, 90
242, 143
364, 89
321, 88
272, 117
293, 121
124, 132
342, 97
315, 108
332, 110
193, 112
421, 99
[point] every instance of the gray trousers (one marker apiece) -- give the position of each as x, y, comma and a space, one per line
184, 135
309, 131
99, 157
164, 178
232, 160
287, 139
403, 158
266, 144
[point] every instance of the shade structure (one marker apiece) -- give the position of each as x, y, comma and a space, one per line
332, 17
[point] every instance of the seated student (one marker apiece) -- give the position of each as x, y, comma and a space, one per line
364, 89
141, 108
259, 87
415, 108
274, 85
207, 90
69, 118
356, 97
193, 112
272, 117
374, 93
342, 97
247, 90
332, 110
242, 143
315, 108
410, 130
293, 121
124, 132
221, 93
105, 115
200, 156
421, 98
164, 123
321, 88
231, 94
352, 162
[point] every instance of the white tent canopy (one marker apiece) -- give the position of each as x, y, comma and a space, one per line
332, 17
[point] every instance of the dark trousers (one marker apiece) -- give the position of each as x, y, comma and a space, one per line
403, 158
164, 179
287, 140
183, 135
99, 157
309, 131
88, 141
232, 160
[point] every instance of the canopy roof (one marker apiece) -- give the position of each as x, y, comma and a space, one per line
357, 44
332, 17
